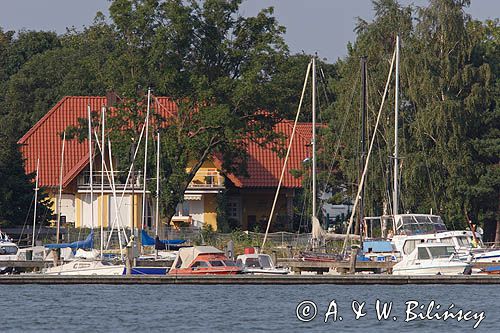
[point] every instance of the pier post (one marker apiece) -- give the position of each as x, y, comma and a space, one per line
352, 260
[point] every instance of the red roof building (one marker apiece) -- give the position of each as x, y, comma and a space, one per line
44, 142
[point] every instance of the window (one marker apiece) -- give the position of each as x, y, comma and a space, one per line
252, 262
265, 261
230, 263
182, 209
442, 251
199, 264
422, 253
233, 210
216, 263
409, 246
8, 250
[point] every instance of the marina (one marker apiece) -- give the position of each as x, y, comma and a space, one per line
198, 166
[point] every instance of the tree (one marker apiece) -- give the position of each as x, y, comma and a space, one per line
221, 69
448, 110
17, 190
341, 139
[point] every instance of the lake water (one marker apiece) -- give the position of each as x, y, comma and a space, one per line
234, 308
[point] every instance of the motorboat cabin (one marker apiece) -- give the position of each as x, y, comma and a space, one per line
200, 260
259, 264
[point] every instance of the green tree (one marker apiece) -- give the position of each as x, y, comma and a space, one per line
221, 69
17, 190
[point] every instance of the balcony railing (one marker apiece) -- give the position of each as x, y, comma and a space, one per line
207, 179
119, 179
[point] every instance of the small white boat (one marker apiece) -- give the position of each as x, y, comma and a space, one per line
86, 267
8, 252
259, 264
431, 259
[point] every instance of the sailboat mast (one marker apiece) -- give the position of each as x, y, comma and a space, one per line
91, 170
36, 201
103, 119
157, 217
313, 143
58, 231
363, 144
395, 197
143, 221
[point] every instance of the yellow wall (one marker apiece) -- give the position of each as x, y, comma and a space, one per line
138, 210
102, 207
210, 207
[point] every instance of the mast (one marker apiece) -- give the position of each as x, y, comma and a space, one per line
143, 221
157, 217
58, 231
91, 170
313, 143
36, 201
103, 118
395, 197
363, 145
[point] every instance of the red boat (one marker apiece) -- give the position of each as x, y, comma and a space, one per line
203, 260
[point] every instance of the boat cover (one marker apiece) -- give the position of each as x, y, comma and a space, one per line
87, 243
149, 241
377, 246
187, 254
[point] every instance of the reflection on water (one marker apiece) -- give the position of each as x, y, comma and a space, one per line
233, 308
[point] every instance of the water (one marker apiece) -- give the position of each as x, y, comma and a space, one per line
233, 308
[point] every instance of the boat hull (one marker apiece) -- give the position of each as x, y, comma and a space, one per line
204, 272
86, 268
455, 269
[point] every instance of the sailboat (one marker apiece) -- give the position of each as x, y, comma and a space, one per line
85, 266
318, 234
408, 231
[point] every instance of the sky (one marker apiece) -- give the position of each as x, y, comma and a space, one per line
322, 26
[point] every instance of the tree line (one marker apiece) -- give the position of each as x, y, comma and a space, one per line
223, 69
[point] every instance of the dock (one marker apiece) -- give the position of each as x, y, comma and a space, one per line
342, 267
251, 279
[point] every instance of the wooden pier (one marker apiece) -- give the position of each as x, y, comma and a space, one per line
342, 267
252, 279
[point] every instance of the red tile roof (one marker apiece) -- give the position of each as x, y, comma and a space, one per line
44, 141
264, 164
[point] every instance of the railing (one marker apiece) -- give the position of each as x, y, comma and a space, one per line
119, 179
207, 179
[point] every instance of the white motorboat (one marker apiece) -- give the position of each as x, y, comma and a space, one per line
259, 264
86, 267
414, 229
8, 252
431, 259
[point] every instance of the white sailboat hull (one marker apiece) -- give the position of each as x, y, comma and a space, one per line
86, 268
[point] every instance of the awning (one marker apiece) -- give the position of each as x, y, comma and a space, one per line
192, 197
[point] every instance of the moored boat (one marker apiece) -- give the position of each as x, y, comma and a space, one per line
86, 267
259, 264
200, 260
432, 259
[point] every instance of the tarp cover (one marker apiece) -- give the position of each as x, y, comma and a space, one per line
149, 241
88, 243
377, 246
187, 254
